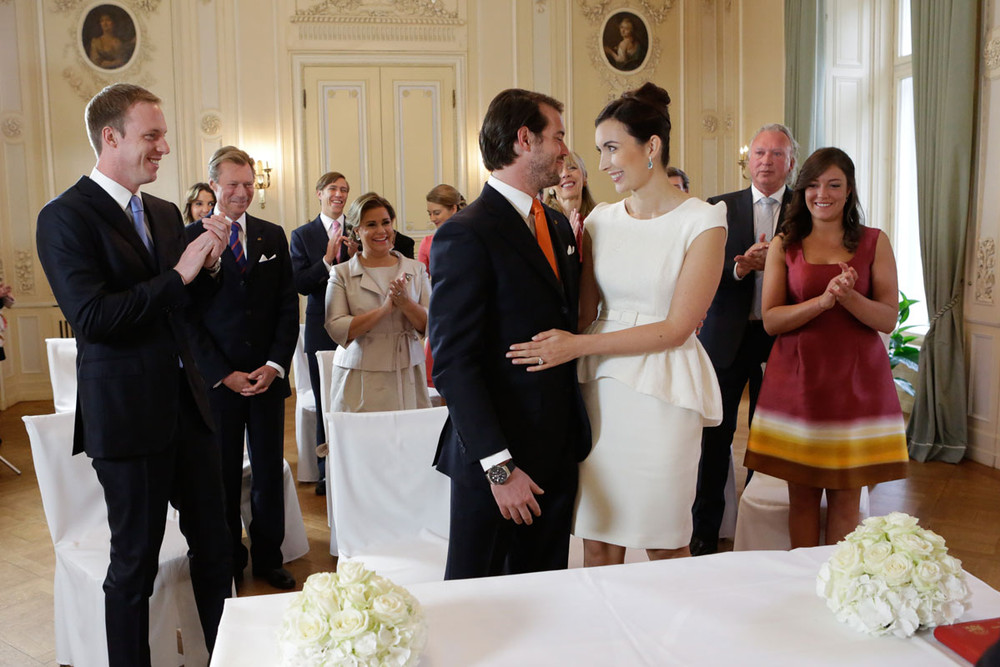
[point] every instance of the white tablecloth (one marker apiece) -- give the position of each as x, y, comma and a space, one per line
747, 608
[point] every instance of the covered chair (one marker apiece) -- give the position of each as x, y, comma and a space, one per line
306, 411
78, 522
762, 521
391, 507
62, 372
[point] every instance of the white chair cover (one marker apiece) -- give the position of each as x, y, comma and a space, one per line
62, 372
78, 523
762, 522
391, 506
305, 414
324, 358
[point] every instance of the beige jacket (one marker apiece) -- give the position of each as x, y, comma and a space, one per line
393, 343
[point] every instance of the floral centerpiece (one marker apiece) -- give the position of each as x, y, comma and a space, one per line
890, 576
352, 617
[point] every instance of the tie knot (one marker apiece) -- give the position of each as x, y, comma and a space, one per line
768, 202
135, 203
536, 207
235, 227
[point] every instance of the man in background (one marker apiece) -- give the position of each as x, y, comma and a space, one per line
317, 246
733, 333
679, 179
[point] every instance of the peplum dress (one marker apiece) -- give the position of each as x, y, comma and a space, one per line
828, 415
646, 411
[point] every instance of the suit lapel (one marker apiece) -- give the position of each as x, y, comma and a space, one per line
254, 247
513, 229
107, 209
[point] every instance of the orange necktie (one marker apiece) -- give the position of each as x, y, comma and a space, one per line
542, 234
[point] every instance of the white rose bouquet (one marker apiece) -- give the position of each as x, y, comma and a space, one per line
890, 576
352, 617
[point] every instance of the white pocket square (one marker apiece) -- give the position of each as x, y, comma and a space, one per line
266, 259
570, 250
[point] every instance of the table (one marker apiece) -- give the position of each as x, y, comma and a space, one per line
750, 608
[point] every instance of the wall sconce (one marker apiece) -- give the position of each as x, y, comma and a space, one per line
262, 180
744, 158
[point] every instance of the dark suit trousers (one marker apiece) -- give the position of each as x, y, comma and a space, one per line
136, 490
258, 421
482, 543
716, 441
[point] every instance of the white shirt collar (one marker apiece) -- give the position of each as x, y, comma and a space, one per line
118, 192
518, 199
241, 221
328, 222
778, 195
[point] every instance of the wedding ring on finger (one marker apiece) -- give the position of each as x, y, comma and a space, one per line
540, 361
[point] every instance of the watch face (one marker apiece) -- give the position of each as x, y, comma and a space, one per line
498, 475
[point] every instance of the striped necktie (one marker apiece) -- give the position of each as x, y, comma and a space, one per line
237, 247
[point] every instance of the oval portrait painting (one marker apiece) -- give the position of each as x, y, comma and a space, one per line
108, 36
625, 39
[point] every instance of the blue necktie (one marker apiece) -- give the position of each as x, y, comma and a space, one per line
237, 247
135, 204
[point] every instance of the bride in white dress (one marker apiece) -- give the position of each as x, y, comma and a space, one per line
651, 265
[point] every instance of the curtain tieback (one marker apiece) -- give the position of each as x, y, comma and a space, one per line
948, 306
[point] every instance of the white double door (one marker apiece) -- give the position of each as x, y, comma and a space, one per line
391, 129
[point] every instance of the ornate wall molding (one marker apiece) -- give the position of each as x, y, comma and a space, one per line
24, 269
991, 55
144, 6
986, 260
211, 124
12, 126
373, 20
596, 13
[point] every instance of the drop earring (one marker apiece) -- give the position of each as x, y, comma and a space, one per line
650, 165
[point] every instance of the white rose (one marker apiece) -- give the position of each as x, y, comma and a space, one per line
874, 556
876, 523
348, 623
926, 575
951, 565
380, 585
352, 572
897, 569
322, 590
356, 595
303, 627
847, 559
898, 523
365, 646
390, 608
937, 542
912, 545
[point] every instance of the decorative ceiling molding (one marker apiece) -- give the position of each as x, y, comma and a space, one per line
595, 12
144, 6
374, 20
405, 9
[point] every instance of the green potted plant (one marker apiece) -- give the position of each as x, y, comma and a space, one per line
900, 350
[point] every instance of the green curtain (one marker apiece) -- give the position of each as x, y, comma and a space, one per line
803, 67
944, 34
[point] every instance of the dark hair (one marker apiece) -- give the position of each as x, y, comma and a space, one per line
644, 113
108, 108
677, 171
446, 195
360, 206
192, 195
329, 177
798, 220
509, 111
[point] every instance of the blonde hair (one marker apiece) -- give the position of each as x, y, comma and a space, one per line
446, 195
587, 202
109, 107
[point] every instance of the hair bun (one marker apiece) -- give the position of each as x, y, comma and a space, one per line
651, 94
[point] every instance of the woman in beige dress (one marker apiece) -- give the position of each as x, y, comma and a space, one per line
376, 311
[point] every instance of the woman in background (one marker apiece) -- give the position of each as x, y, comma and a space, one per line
200, 203
572, 193
443, 202
376, 311
828, 417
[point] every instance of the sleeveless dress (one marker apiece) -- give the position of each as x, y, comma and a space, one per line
646, 411
828, 415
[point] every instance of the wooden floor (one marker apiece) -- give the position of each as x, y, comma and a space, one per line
961, 502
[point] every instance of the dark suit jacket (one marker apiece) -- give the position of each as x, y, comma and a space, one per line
254, 316
130, 314
727, 317
311, 278
495, 288
404, 244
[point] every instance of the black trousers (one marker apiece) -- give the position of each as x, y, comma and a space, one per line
137, 490
482, 543
716, 441
259, 421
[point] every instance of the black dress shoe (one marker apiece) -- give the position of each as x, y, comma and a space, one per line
700, 547
321, 487
279, 577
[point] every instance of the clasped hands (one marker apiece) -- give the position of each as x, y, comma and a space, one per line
252, 383
397, 294
840, 288
753, 259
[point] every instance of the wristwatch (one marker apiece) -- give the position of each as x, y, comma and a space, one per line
499, 473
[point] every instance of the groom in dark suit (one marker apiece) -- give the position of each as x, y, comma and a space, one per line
253, 324
733, 333
124, 275
317, 246
505, 268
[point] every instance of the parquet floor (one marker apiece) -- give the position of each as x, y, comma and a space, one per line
961, 502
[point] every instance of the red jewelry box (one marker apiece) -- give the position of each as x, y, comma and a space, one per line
970, 639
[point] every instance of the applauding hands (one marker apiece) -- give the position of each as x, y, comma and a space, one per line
840, 287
